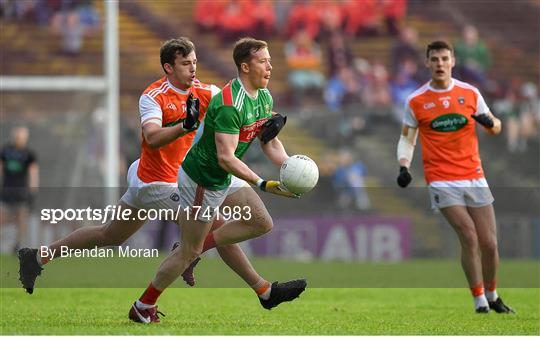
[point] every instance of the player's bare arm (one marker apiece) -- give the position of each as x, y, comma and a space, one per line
275, 151
225, 146
157, 136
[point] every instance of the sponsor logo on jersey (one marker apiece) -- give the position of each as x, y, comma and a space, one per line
449, 122
171, 106
249, 132
461, 100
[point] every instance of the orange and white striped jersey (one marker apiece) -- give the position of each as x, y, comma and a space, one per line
447, 130
165, 105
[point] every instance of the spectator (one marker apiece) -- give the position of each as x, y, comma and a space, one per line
304, 15
508, 108
362, 17
394, 12
73, 23
331, 17
402, 86
339, 53
348, 181
20, 181
304, 60
236, 20
376, 91
342, 87
265, 19
405, 50
529, 111
207, 13
472, 57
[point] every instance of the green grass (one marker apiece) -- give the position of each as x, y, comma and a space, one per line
236, 311
413, 297
213, 273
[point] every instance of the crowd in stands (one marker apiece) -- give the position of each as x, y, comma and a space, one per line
69, 20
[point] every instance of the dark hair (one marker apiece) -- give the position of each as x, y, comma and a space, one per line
439, 45
180, 46
244, 47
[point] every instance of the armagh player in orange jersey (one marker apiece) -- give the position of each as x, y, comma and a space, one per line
443, 111
171, 109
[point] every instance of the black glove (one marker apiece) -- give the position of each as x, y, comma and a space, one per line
404, 178
191, 122
484, 120
272, 127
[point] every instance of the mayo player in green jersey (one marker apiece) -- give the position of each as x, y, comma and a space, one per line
213, 175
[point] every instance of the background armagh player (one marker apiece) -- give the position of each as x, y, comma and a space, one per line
443, 112
169, 109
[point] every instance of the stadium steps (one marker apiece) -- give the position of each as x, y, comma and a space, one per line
503, 29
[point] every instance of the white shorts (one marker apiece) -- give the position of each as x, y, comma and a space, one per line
154, 195
206, 201
472, 193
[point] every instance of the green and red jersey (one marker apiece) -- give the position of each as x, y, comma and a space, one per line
232, 111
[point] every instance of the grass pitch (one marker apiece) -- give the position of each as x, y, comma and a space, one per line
235, 310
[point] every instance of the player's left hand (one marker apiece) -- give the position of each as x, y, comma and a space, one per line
272, 127
484, 120
191, 122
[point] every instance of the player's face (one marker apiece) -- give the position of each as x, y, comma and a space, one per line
260, 68
440, 63
182, 74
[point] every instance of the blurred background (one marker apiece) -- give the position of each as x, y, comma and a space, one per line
342, 72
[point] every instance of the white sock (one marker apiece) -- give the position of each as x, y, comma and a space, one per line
143, 306
480, 301
492, 295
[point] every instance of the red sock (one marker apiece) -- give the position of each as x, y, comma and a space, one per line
491, 285
209, 242
150, 295
477, 290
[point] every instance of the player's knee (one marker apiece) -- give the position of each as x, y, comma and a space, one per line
489, 247
266, 225
469, 238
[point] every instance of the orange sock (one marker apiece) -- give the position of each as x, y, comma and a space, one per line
262, 288
491, 285
477, 290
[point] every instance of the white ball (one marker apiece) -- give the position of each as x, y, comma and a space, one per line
299, 174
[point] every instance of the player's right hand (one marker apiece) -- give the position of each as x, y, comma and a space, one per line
274, 187
404, 178
191, 122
